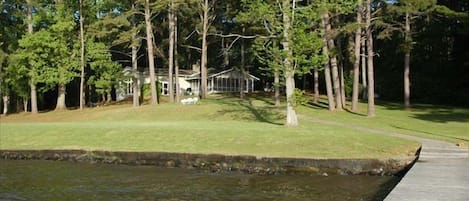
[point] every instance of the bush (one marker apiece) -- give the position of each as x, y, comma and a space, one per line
299, 98
147, 92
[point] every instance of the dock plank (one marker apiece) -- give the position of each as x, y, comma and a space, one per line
441, 173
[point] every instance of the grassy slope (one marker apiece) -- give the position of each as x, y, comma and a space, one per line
429, 121
225, 126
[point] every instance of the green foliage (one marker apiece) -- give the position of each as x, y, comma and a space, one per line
106, 72
437, 41
11, 28
113, 28
348, 85
4, 88
16, 78
393, 19
299, 98
146, 91
415, 7
253, 9
306, 42
269, 54
47, 58
336, 6
266, 50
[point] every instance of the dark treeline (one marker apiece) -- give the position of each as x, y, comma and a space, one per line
63, 53
439, 59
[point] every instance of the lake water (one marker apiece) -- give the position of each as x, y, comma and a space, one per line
51, 180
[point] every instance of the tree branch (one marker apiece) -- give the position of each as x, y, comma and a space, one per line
192, 47
266, 26
241, 36
190, 35
232, 43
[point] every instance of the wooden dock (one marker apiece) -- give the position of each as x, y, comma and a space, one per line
441, 173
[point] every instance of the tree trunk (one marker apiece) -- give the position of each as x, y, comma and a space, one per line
342, 84
334, 66
176, 63
364, 70
108, 98
407, 62
89, 93
203, 64
243, 73
82, 58
32, 83
25, 104
135, 73
277, 87
316, 84
19, 106
103, 98
327, 69
61, 98
34, 108
340, 65
135, 77
4, 94
151, 59
226, 53
6, 102
370, 53
356, 64
171, 52
292, 119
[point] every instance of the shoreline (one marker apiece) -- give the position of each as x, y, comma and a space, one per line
226, 163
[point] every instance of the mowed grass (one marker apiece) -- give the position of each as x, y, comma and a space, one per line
429, 121
219, 125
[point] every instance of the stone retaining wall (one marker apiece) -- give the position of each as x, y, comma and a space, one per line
215, 162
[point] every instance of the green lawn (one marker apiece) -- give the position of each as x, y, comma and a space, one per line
429, 121
218, 125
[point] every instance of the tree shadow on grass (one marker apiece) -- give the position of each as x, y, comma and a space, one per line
267, 98
443, 116
355, 113
245, 110
265, 115
390, 105
321, 104
432, 113
324, 105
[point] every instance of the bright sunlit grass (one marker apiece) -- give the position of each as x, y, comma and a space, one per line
218, 125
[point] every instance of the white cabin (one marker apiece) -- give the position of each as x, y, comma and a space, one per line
226, 81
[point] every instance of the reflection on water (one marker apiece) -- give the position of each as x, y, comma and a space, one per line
47, 180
